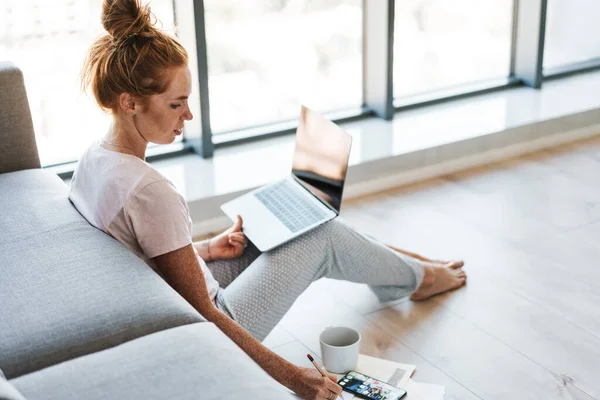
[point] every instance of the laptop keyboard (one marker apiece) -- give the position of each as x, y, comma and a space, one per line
292, 209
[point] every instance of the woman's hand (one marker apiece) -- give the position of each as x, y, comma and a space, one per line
229, 244
310, 385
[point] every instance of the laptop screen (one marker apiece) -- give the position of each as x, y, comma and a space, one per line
321, 157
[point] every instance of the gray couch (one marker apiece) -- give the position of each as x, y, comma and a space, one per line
81, 317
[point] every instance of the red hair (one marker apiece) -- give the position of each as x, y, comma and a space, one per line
133, 57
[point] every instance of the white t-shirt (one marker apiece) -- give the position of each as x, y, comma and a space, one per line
127, 198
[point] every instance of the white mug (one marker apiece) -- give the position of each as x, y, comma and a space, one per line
339, 349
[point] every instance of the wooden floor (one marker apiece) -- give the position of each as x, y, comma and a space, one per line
527, 325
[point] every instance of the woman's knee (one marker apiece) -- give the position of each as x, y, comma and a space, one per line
330, 229
336, 226
319, 238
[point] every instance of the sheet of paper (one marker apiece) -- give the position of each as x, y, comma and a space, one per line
392, 372
348, 396
424, 391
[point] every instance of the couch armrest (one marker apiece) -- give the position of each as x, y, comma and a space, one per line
18, 149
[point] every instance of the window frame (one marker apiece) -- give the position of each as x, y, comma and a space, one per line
526, 61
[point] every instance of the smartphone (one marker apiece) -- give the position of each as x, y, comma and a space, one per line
370, 388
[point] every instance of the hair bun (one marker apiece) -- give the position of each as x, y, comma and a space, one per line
125, 18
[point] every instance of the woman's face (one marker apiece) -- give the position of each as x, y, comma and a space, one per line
163, 116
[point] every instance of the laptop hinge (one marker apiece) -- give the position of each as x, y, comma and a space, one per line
299, 181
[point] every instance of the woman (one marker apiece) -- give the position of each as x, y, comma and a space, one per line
140, 75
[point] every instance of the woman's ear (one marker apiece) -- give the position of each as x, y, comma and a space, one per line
127, 103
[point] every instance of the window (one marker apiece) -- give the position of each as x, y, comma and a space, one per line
267, 57
48, 41
572, 32
441, 43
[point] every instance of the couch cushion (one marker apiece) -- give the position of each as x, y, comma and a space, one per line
66, 288
190, 362
8, 391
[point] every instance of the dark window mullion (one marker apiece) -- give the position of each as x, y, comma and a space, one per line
378, 28
192, 34
529, 41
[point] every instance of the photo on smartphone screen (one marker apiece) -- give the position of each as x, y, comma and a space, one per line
370, 388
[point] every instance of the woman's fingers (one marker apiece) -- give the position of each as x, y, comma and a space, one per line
238, 237
238, 234
237, 227
236, 247
332, 386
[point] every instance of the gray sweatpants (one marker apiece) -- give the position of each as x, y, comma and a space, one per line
257, 289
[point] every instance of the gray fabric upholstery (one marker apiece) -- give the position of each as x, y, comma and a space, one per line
33, 202
81, 317
66, 288
17, 141
190, 362
8, 391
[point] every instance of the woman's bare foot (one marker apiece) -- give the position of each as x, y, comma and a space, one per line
440, 278
441, 263
421, 258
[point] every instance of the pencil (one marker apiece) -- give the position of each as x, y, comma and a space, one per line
312, 360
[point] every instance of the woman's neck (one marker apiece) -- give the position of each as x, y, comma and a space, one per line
125, 139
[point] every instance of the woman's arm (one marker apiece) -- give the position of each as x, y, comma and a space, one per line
182, 271
203, 247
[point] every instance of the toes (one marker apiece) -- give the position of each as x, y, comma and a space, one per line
455, 264
460, 280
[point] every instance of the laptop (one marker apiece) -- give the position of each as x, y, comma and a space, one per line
310, 196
